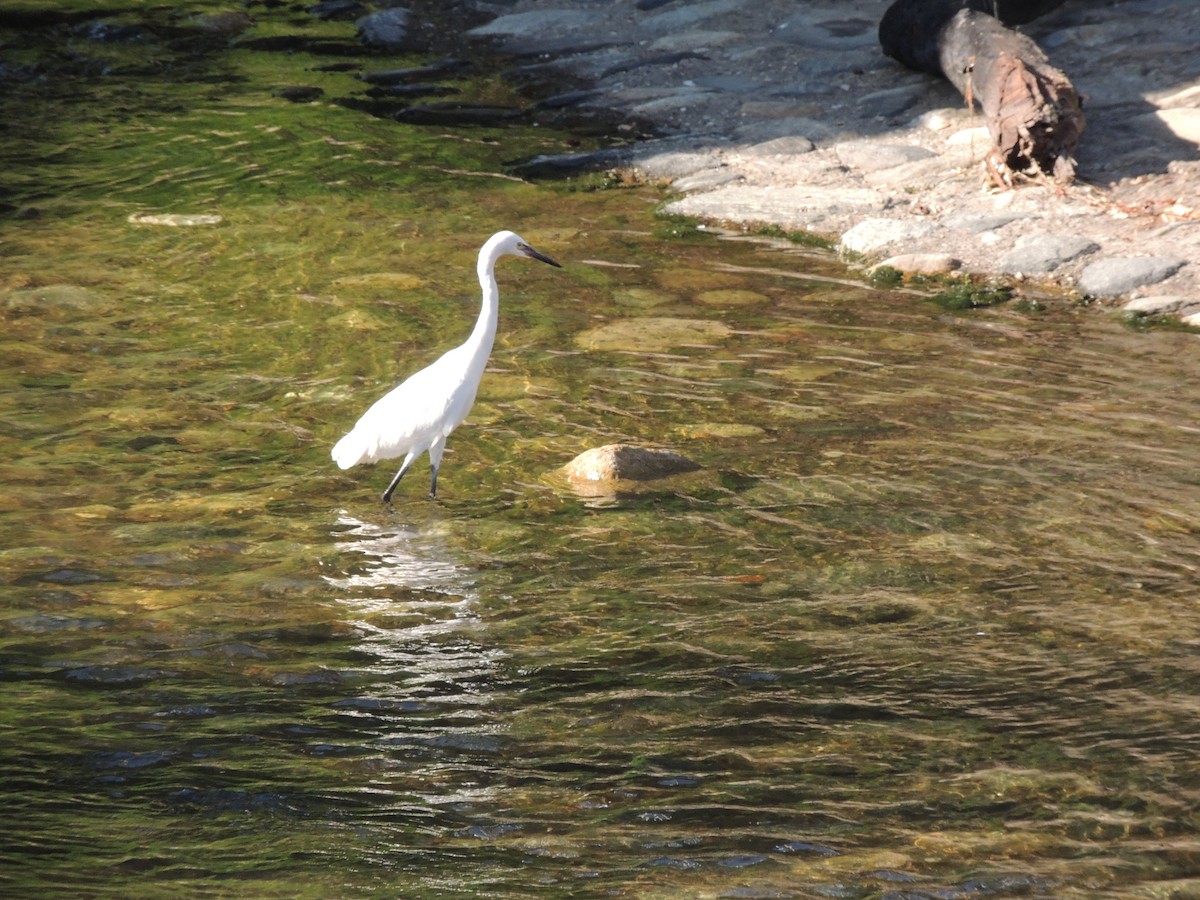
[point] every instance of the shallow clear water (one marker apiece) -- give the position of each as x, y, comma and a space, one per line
924, 624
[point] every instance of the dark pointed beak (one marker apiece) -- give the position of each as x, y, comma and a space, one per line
533, 254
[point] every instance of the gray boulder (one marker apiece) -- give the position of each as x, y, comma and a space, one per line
384, 30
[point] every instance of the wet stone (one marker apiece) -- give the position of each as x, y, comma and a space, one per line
117, 675
742, 861
297, 679
699, 39
338, 10
649, 333
720, 430
531, 24
384, 30
114, 33
47, 624
225, 800
570, 99
193, 711
300, 93
451, 113
1158, 305
129, 759
544, 31
707, 179
562, 165
614, 462
226, 23
726, 297
54, 298
146, 441
1043, 252
673, 862
689, 15
748, 678
735, 84
441, 69
410, 91
72, 576
642, 298
234, 650
1121, 274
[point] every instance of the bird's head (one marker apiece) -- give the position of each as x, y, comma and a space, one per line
505, 243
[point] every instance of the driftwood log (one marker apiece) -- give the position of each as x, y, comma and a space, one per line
1033, 113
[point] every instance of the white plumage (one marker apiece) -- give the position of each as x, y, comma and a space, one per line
419, 415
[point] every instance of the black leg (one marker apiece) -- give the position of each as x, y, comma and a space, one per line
387, 495
433, 484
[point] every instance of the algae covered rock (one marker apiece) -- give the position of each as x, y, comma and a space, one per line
652, 333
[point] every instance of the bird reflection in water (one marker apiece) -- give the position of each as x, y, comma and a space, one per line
417, 604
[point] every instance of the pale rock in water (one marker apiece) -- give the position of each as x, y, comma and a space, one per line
615, 462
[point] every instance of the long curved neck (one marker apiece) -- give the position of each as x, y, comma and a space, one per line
484, 332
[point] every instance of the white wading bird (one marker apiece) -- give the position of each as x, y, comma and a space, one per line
420, 414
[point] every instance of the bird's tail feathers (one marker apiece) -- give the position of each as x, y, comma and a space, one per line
350, 450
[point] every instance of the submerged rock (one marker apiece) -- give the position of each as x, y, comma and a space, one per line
51, 300
647, 334
227, 22
337, 10
443, 68
114, 33
616, 462
562, 165
173, 220
384, 30
300, 93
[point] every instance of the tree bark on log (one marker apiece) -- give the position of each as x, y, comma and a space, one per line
1033, 113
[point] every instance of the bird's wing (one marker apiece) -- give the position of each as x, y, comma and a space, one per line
405, 420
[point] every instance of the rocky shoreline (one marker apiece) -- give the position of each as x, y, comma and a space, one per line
788, 114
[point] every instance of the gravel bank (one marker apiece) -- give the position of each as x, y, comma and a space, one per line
787, 113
